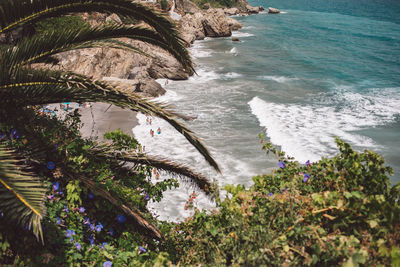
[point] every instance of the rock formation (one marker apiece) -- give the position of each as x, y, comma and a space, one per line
137, 72
272, 10
211, 23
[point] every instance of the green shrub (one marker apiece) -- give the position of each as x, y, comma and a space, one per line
335, 211
164, 4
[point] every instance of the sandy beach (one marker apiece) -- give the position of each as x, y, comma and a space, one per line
101, 118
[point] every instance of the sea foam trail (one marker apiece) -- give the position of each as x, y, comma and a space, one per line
278, 79
307, 132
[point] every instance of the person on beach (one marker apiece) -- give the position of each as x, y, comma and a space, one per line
151, 132
159, 130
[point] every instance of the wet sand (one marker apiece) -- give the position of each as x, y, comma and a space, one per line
101, 118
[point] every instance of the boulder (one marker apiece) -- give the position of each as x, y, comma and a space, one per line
206, 6
261, 8
272, 10
149, 88
215, 24
167, 67
234, 25
191, 27
231, 11
235, 39
252, 9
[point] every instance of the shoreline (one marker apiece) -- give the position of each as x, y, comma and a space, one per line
101, 118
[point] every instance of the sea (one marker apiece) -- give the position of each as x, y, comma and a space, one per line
318, 70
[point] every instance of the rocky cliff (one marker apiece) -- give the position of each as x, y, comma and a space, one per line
118, 65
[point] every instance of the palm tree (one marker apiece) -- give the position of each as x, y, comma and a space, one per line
22, 88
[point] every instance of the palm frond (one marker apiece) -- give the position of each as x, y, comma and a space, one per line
45, 87
41, 46
16, 13
108, 152
21, 194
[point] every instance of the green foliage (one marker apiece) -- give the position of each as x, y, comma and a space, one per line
343, 213
216, 3
164, 4
60, 23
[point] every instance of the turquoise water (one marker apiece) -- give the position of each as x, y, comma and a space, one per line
320, 69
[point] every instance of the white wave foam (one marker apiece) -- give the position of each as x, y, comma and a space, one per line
231, 75
168, 97
204, 75
242, 34
198, 50
233, 50
307, 132
283, 12
279, 79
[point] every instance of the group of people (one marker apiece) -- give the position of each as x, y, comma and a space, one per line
148, 122
152, 131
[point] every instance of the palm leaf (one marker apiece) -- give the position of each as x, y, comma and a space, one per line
15, 13
45, 87
109, 152
21, 194
40, 46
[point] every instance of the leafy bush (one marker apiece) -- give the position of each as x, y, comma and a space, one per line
164, 4
335, 211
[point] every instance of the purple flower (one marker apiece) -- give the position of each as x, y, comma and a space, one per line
306, 177
142, 249
2, 135
58, 220
111, 232
81, 209
102, 245
50, 197
308, 163
90, 195
121, 218
78, 246
281, 164
99, 227
14, 134
60, 193
86, 221
270, 194
56, 186
91, 227
146, 197
69, 233
66, 209
50, 165
107, 264
91, 239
